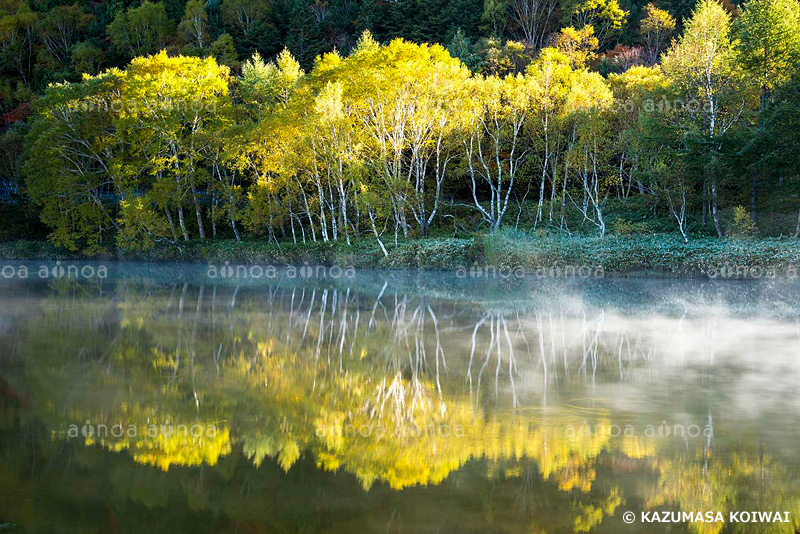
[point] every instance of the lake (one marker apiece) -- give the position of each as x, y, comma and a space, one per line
167, 398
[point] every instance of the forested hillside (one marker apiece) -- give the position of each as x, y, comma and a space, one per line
128, 124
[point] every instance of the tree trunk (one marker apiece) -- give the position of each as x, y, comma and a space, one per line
540, 206
230, 213
562, 222
704, 218
323, 223
754, 189
171, 225
235, 230
377, 235
714, 208
553, 184
797, 229
213, 218
198, 212
754, 193
343, 209
182, 223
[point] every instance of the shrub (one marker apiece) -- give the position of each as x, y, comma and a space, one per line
742, 225
623, 227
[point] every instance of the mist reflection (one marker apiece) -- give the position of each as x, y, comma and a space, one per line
505, 402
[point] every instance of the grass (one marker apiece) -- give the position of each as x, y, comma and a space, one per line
655, 254
646, 254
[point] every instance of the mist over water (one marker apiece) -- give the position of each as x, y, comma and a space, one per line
158, 399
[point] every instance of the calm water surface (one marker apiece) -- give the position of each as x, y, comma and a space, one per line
159, 400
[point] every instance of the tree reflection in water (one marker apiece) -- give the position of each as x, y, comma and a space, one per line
383, 406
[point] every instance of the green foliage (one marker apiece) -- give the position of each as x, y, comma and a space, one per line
59, 28
249, 22
72, 140
606, 17
780, 122
655, 30
624, 227
461, 49
224, 51
87, 58
580, 46
265, 85
141, 30
640, 253
396, 140
500, 60
194, 25
768, 44
701, 63
742, 225
142, 226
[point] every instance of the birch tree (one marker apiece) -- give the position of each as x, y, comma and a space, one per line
493, 141
701, 66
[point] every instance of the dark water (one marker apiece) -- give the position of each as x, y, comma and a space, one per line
158, 399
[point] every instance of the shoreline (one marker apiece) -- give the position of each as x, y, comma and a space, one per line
663, 256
